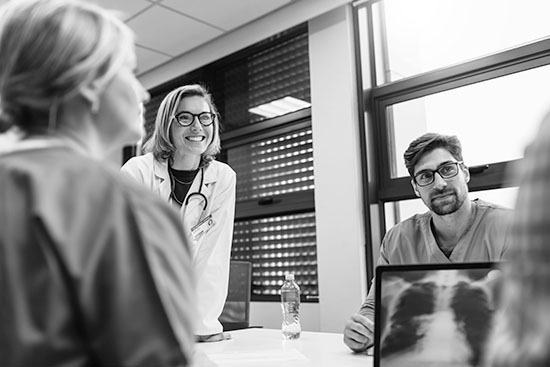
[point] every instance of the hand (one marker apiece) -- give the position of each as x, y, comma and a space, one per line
359, 333
213, 337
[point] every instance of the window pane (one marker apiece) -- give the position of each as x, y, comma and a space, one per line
278, 165
273, 70
412, 37
279, 71
494, 119
400, 210
275, 246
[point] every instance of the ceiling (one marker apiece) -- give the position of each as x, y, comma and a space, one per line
166, 29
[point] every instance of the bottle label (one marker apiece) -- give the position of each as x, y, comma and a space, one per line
289, 296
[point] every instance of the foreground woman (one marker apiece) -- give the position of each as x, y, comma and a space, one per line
90, 273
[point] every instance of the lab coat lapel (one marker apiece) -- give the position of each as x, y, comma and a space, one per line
210, 176
160, 170
192, 211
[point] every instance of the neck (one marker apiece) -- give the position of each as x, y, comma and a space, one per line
448, 229
76, 127
185, 162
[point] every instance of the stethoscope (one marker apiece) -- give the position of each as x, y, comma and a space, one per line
189, 196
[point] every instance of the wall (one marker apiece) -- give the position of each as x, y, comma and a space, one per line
336, 149
338, 190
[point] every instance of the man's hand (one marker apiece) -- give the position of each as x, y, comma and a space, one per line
359, 333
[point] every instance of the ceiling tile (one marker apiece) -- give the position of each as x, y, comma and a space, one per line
148, 59
170, 32
129, 8
225, 14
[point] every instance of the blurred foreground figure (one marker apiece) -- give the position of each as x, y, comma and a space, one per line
521, 335
94, 270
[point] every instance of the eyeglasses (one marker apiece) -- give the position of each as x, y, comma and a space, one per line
426, 177
185, 118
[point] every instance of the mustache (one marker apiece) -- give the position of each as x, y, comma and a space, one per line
446, 191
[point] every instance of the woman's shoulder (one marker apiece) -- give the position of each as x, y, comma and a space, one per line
127, 190
221, 168
139, 162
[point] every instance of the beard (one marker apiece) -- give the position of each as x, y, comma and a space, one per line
445, 202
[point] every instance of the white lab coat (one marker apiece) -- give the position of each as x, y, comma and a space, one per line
211, 250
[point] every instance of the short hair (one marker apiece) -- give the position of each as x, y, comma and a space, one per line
427, 143
160, 143
49, 51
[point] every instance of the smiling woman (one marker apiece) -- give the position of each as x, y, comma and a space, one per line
180, 166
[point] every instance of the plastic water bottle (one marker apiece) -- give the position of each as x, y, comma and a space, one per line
290, 303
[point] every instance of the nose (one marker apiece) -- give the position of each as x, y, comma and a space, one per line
146, 96
142, 94
439, 181
196, 124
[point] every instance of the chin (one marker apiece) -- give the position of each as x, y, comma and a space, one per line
132, 137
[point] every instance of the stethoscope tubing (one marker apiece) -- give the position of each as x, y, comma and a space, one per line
199, 193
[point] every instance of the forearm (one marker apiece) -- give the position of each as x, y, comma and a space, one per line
367, 308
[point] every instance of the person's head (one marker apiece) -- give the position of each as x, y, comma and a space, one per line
438, 174
522, 327
64, 63
187, 122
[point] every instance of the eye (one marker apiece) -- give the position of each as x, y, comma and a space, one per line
424, 176
448, 169
184, 117
206, 117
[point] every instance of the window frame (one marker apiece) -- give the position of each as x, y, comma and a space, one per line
282, 204
484, 177
378, 184
290, 203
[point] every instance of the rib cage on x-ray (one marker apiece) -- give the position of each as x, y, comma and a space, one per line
441, 319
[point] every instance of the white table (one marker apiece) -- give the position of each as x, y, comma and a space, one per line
267, 348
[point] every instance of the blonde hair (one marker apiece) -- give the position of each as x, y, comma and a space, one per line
49, 51
160, 143
521, 335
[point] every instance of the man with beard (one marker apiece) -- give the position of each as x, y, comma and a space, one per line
455, 229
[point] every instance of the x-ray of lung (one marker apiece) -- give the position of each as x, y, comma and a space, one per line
436, 318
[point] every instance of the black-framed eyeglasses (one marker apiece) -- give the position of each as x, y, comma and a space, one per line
185, 118
446, 171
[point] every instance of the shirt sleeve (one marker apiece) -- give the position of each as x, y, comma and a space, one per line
132, 170
507, 238
367, 308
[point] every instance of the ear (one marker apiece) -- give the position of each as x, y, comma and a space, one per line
415, 188
91, 94
466, 174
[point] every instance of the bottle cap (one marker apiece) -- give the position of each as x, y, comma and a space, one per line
289, 276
